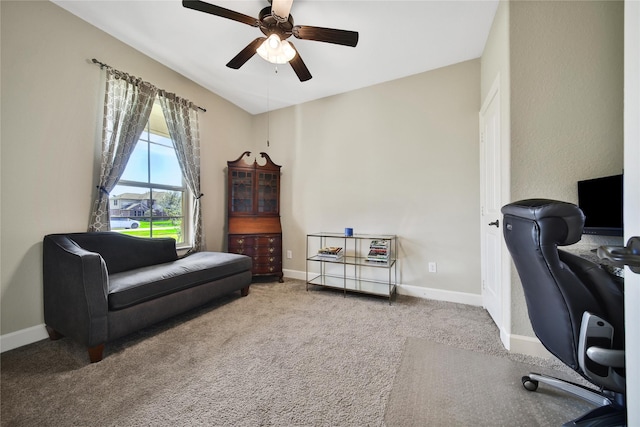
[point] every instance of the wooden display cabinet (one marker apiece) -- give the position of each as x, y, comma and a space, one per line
254, 213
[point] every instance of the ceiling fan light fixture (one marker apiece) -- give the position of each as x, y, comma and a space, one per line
275, 50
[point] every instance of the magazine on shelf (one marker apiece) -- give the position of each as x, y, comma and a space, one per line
378, 251
331, 252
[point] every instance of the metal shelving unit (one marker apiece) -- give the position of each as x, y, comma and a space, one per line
353, 272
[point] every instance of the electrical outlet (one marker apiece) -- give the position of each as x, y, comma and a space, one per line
433, 267
289, 254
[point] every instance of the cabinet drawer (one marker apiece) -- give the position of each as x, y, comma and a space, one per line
240, 240
266, 270
242, 251
266, 251
254, 240
255, 244
263, 266
268, 240
267, 260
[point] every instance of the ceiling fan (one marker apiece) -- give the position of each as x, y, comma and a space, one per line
276, 23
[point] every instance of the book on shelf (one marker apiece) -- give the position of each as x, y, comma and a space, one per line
331, 252
378, 251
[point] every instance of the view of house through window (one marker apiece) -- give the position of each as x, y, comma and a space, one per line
151, 198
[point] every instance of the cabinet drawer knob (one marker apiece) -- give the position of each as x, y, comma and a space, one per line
240, 241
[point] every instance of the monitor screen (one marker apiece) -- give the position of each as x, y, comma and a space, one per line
601, 202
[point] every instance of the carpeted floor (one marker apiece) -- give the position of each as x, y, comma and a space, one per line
280, 357
467, 388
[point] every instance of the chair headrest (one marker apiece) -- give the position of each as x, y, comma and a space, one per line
540, 209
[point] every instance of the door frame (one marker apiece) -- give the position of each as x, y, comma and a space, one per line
505, 194
632, 200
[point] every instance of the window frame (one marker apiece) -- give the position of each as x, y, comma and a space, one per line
150, 187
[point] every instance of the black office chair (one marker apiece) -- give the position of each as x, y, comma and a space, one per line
576, 308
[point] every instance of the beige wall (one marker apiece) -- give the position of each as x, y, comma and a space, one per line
567, 83
495, 61
50, 118
566, 71
398, 158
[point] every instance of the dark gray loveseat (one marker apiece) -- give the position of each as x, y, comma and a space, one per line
101, 286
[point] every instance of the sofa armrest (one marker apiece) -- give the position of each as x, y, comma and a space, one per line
76, 284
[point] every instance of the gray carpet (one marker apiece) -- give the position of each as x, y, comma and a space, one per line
280, 357
467, 388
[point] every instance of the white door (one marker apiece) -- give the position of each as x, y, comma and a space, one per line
632, 202
491, 202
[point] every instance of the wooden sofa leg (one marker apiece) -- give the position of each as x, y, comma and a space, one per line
244, 291
53, 334
95, 353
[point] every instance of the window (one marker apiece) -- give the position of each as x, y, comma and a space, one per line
151, 198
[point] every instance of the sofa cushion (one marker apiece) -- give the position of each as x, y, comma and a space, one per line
122, 252
132, 287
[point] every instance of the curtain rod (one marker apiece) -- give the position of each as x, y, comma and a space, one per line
103, 65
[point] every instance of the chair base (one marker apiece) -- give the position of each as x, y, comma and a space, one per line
610, 409
603, 416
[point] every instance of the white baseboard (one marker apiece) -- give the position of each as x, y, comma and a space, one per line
505, 338
22, 337
530, 346
416, 291
295, 274
440, 295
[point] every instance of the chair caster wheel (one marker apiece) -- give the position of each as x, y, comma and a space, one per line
529, 384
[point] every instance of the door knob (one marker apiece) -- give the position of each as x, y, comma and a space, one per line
623, 255
496, 223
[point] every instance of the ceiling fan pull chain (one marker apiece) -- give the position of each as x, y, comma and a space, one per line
268, 111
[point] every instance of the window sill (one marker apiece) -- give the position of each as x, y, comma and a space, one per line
182, 250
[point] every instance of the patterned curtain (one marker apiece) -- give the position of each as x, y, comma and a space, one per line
182, 120
127, 106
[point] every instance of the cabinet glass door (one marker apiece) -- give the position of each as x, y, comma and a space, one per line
241, 191
267, 192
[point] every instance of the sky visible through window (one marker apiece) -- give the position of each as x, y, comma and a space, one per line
165, 168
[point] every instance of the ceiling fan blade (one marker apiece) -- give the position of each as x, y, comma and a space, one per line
328, 35
299, 66
220, 11
245, 54
280, 9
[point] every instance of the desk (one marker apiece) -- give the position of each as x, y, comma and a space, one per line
590, 255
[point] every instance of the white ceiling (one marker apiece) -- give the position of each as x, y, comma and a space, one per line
396, 39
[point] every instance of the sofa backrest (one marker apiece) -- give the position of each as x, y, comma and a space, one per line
122, 252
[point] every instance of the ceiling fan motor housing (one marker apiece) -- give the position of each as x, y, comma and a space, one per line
269, 25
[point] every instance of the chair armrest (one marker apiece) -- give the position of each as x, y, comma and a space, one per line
75, 289
606, 356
